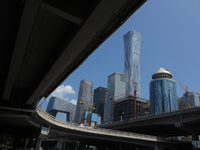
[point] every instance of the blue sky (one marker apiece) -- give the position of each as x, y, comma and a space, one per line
170, 37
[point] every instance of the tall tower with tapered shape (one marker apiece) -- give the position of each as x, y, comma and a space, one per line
132, 61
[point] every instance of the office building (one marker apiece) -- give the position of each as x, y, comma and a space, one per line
193, 97
85, 99
99, 101
56, 105
132, 61
123, 109
163, 97
116, 89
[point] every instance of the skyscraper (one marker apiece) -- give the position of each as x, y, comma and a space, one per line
85, 99
56, 105
193, 97
163, 97
116, 88
132, 61
99, 101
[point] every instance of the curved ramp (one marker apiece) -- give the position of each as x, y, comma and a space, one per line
99, 133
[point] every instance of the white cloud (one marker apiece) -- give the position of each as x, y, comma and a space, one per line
62, 92
73, 101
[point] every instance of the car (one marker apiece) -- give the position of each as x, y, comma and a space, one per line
85, 125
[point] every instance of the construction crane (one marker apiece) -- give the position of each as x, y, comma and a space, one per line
186, 94
111, 104
135, 93
90, 107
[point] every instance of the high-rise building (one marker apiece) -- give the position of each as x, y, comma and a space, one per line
56, 105
99, 101
123, 109
193, 97
85, 99
163, 97
116, 89
132, 61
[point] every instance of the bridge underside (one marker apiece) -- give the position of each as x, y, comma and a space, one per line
44, 41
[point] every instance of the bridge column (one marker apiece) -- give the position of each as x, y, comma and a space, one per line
195, 137
23, 143
42, 134
156, 147
16, 143
30, 144
188, 129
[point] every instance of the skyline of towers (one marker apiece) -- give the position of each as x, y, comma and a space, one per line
132, 41
162, 88
163, 96
85, 99
121, 85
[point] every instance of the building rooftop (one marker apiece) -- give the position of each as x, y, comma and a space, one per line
161, 71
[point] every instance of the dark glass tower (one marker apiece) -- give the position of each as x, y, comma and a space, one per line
99, 101
163, 97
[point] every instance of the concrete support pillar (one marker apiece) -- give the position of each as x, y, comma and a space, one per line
156, 147
59, 145
16, 144
30, 143
23, 144
38, 143
195, 137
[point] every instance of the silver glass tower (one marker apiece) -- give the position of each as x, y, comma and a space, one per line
85, 99
132, 61
116, 89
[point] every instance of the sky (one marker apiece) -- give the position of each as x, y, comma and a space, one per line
170, 38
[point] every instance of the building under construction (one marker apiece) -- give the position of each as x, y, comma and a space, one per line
123, 109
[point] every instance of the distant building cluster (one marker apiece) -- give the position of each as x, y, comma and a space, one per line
121, 100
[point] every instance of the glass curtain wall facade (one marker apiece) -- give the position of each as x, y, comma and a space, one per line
56, 105
99, 101
85, 98
193, 97
117, 89
163, 96
132, 61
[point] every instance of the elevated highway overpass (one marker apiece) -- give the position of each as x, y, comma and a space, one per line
58, 129
176, 123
